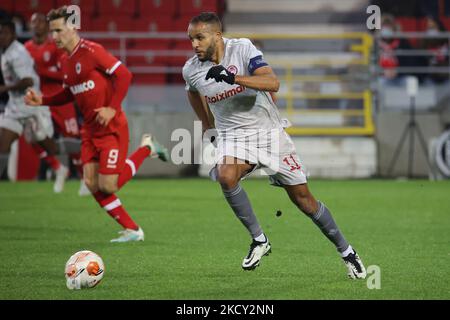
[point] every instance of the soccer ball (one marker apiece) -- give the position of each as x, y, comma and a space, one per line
84, 269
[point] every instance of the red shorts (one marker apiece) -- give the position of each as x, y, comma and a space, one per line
110, 151
65, 120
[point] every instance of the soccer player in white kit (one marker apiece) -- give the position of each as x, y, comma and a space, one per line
232, 78
19, 74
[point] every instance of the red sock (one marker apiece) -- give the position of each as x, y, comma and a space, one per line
114, 207
51, 160
76, 160
132, 165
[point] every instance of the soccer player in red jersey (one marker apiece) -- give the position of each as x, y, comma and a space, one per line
47, 58
98, 83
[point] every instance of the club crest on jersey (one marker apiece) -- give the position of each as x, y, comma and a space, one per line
82, 87
46, 56
78, 68
233, 69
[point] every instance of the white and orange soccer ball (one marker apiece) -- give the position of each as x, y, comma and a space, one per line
84, 270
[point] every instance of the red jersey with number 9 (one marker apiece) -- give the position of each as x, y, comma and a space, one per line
88, 75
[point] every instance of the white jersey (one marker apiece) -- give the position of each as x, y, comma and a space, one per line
17, 64
236, 109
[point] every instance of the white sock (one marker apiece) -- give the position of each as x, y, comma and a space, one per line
347, 251
261, 238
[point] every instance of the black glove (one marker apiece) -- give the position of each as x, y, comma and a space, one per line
219, 73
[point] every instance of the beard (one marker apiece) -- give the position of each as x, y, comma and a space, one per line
209, 53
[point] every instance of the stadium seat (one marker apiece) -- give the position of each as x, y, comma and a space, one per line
27, 7
160, 8
149, 78
148, 44
185, 52
192, 7
33, 5
149, 58
153, 24
112, 45
85, 22
7, 5
87, 7
182, 22
407, 24
150, 52
446, 22
112, 24
117, 7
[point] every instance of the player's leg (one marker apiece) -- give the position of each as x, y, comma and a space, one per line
290, 174
132, 231
321, 216
42, 132
112, 156
78, 164
229, 173
7, 137
10, 130
149, 148
48, 154
90, 176
66, 124
51, 160
110, 203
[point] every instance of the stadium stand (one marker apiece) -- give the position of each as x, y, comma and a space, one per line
321, 50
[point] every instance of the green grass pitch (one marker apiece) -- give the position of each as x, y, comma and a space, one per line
194, 244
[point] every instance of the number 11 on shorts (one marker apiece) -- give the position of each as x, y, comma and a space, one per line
290, 161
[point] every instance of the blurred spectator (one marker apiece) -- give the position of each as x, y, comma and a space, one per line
19, 22
439, 49
389, 60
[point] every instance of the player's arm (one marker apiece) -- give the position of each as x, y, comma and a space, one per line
22, 64
263, 79
32, 98
118, 73
201, 109
50, 74
260, 75
121, 79
20, 85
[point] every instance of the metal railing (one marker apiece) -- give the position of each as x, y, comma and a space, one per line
419, 69
347, 111
295, 71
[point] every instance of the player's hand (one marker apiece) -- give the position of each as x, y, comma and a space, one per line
32, 98
219, 73
105, 115
3, 89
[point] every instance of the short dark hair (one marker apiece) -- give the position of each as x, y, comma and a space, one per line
207, 17
9, 24
59, 13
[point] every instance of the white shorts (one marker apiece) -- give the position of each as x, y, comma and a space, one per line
272, 151
36, 127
